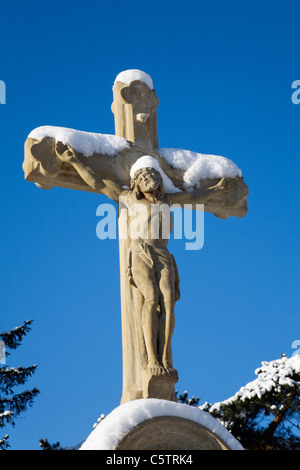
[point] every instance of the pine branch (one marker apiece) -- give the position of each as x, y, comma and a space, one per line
269, 432
183, 398
12, 407
10, 377
3, 442
45, 445
6, 417
13, 338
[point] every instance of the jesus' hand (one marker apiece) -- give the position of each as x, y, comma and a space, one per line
65, 153
225, 184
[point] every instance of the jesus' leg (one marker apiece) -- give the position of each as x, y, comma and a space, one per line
146, 283
166, 285
167, 359
150, 330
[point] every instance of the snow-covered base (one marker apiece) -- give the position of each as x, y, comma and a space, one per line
122, 419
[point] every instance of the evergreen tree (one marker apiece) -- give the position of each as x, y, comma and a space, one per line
12, 404
183, 398
45, 445
264, 415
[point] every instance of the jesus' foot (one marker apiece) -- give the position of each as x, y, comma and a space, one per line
155, 368
169, 368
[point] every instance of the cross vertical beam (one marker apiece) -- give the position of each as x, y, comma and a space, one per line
134, 109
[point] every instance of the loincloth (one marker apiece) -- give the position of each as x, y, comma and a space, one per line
156, 259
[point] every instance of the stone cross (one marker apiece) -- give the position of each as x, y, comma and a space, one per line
148, 272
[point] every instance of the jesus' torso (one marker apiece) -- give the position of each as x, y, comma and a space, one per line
148, 222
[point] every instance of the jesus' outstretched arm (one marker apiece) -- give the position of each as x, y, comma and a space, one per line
68, 155
202, 195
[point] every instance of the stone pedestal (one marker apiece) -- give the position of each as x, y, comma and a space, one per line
159, 386
152, 424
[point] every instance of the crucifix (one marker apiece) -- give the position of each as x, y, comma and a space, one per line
130, 168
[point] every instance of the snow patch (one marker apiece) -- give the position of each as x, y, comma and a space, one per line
199, 166
86, 143
122, 419
274, 375
148, 161
6, 414
128, 76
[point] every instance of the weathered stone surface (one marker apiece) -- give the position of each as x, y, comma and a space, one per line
159, 386
170, 433
134, 107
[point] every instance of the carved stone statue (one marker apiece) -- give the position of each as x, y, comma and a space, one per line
152, 268
148, 271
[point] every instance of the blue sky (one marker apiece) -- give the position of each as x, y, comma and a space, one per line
223, 73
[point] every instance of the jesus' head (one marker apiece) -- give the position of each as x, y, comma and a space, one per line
147, 181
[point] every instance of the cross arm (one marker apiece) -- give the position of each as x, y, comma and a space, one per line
98, 163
